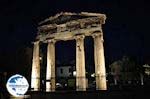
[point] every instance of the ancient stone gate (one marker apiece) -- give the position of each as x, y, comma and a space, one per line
70, 26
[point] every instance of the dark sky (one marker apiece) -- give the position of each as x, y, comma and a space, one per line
126, 31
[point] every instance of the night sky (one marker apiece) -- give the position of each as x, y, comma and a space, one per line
126, 31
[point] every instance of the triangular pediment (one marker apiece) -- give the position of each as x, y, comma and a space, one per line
64, 17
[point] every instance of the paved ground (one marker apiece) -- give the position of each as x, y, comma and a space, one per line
125, 92
130, 92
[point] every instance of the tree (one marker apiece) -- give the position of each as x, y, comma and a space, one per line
126, 70
116, 70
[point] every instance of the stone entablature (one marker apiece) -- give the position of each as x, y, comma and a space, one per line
70, 26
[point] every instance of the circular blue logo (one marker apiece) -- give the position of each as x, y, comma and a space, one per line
17, 85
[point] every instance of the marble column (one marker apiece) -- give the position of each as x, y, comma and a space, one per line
99, 58
80, 64
35, 75
50, 73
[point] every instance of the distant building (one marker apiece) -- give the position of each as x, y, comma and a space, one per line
65, 71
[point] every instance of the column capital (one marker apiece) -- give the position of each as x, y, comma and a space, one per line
95, 35
51, 41
79, 37
36, 42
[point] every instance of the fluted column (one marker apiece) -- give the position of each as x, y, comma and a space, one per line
100, 71
35, 75
80, 64
50, 73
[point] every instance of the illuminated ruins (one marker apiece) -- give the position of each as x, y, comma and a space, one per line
70, 26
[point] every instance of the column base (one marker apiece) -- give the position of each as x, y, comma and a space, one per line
35, 89
101, 83
81, 89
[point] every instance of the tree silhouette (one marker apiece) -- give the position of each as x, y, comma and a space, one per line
126, 70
